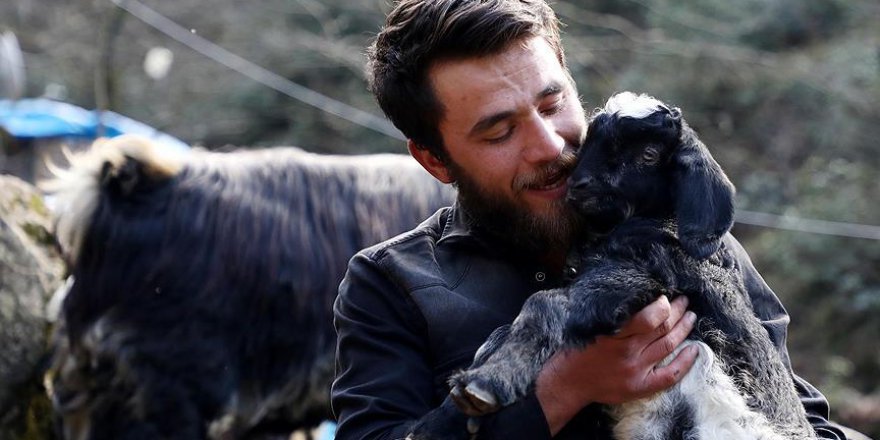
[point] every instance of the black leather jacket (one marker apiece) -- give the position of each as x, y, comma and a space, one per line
415, 308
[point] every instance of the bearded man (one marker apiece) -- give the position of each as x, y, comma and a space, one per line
482, 92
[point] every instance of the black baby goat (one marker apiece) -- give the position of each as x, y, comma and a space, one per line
644, 177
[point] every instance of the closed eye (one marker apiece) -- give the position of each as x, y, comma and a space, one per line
554, 107
500, 137
650, 156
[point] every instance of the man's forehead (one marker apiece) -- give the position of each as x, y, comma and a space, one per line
497, 83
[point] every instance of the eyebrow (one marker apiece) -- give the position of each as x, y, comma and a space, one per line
489, 121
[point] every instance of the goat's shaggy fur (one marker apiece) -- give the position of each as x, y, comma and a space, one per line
201, 305
644, 177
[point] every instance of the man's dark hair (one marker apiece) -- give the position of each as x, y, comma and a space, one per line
418, 33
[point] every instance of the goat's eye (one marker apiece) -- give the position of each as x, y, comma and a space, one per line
650, 156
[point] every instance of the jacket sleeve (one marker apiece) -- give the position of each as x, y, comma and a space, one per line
775, 319
384, 379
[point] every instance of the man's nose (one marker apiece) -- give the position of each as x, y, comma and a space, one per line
543, 143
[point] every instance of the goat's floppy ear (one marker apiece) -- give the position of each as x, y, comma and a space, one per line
704, 197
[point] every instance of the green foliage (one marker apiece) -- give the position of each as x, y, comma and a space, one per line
784, 24
830, 285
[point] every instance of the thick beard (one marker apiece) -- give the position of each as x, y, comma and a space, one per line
504, 219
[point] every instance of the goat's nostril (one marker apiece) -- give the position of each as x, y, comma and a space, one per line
580, 184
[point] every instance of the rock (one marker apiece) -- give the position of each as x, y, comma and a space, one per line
30, 271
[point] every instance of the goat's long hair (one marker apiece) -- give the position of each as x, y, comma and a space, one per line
219, 270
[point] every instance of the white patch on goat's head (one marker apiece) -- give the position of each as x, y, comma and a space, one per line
74, 192
628, 104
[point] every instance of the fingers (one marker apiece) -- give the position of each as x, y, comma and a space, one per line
665, 344
663, 377
677, 310
662, 341
648, 319
654, 333
655, 320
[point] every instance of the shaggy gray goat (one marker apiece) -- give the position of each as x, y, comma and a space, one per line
203, 287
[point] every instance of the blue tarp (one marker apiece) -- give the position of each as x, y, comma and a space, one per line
44, 118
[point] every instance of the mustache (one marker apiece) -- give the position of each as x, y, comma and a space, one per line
559, 168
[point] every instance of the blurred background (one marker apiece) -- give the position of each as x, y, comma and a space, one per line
786, 93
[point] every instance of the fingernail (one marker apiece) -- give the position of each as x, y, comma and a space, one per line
690, 316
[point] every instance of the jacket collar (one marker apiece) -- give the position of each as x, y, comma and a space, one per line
457, 229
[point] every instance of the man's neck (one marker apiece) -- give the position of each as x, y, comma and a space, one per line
554, 261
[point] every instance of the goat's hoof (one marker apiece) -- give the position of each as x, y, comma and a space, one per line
474, 399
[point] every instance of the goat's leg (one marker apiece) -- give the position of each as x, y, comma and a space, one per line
506, 366
605, 300
495, 341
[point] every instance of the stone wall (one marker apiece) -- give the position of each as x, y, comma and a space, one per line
30, 272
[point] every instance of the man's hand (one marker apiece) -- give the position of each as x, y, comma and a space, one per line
619, 368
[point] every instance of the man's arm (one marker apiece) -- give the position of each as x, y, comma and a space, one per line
775, 319
384, 379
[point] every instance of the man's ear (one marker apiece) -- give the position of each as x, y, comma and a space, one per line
430, 162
